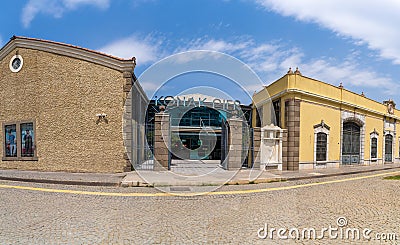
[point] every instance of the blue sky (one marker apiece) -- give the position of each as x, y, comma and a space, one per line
333, 40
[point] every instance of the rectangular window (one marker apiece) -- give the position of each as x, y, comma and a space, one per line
321, 146
374, 148
277, 109
10, 140
258, 121
27, 139
19, 141
259, 116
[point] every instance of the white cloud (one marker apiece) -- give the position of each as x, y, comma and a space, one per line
374, 23
56, 8
146, 50
348, 73
270, 60
220, 45
149, 86
73, 4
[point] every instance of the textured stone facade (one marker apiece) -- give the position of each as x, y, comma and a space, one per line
162, 141
235, 157
292, 119
63, 95
284, 150
256, 147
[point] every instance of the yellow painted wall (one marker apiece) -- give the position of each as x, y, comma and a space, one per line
324, 101
347, 98
310, 115
278, 86
334, 92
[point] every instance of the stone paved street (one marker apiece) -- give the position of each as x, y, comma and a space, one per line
37, 217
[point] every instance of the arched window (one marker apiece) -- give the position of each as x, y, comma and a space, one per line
321, 142
374, 145
321, 146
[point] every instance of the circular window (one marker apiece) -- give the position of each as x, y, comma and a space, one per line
16, 63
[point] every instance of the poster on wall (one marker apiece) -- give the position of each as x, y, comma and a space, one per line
11, 140
27, 139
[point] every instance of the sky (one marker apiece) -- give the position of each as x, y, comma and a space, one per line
336, 41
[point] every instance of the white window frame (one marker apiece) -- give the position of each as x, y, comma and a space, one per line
17, 56
372, 135
384, 146
321, 128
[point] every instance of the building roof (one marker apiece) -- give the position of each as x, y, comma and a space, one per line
297, 83
69, 50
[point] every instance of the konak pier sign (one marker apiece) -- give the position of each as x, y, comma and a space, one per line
190, 101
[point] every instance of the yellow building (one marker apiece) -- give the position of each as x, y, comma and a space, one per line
325, 125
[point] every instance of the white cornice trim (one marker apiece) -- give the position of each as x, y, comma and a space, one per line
69, 51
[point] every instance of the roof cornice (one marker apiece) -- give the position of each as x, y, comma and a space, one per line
92, 56
338, 102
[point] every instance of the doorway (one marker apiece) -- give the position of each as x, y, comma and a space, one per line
388, 148
351, 143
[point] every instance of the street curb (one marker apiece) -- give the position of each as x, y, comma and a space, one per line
121, 183
62, 182
251, 182
339, 174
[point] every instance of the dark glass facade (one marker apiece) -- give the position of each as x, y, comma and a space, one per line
197, 128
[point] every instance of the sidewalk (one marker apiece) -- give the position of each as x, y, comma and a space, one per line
244, 176
208, 175
64, 178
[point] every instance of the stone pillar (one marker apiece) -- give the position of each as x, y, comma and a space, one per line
256, 147
292, 116
127, 75
284, 150
161, 141
127, 132
235, 160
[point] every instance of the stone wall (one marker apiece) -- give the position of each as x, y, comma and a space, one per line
63, 95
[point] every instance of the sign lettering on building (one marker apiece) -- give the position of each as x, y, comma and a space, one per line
171, 101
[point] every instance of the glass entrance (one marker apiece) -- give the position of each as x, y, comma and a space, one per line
351, 143
388, 148
196, 145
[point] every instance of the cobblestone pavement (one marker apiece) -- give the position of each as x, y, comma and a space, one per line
35, 217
